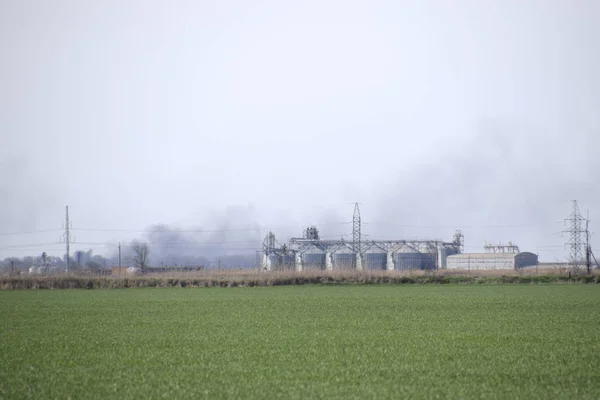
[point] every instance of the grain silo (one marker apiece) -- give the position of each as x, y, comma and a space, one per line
313, 261
407, 258
344, 259
375, 260
312, 252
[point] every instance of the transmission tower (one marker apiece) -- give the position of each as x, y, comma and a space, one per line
356, 236
575, 242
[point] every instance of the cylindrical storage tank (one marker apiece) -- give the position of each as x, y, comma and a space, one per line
283, 262
277, 262
408, 261
274, 260
428, 260
313, 261
375, 261
443, 256
289, 260
344, 261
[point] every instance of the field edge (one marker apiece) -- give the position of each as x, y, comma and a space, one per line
280, 279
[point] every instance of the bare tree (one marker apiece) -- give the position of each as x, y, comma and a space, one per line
140, 256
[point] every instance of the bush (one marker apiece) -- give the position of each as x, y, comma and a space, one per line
253, 278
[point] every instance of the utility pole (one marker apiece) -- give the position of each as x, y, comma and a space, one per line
68, 237
588, 261
12, 266
356, 238
119, 258
594, 257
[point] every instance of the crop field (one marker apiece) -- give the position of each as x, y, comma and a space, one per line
311, 341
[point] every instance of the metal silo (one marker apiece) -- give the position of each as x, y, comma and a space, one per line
407, 258
442, 256
313, 261
282, 262
428, 260
344, 260
375, 261
407, 261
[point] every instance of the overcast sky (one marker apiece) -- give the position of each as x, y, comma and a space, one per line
275, 114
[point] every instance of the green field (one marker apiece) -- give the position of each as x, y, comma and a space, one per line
447, 341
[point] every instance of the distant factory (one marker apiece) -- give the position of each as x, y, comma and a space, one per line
310, 252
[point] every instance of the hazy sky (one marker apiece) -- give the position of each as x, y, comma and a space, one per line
277, 114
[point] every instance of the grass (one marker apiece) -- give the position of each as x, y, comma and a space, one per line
311, 341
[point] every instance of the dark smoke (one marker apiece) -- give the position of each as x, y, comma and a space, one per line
229, 241
505, 175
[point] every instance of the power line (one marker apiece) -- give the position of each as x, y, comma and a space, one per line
175, 230
29, 250
29, 232
529, 225
84, 229
108, 244
171, 243
253, 248
168, 230
6, 247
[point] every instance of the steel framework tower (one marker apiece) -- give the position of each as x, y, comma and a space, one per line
356, 235
575, 242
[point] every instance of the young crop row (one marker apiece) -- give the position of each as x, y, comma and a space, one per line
309, 341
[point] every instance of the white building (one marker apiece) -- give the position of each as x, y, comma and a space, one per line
490, 261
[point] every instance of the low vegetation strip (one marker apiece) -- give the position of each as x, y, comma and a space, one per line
296, 342
278, 279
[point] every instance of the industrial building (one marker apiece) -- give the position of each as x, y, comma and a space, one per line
496, 256
311, 252
490, 261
